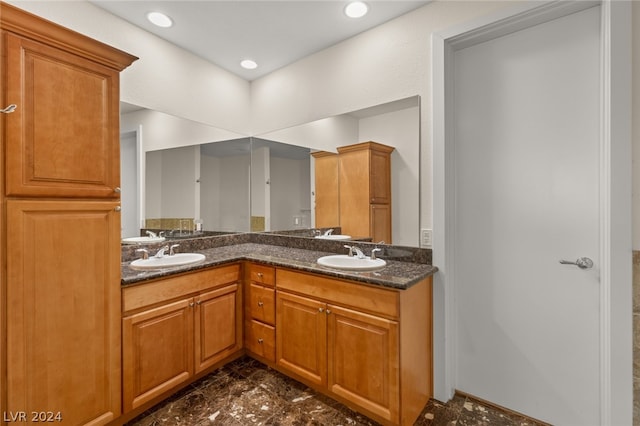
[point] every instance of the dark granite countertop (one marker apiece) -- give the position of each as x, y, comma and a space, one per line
396, 274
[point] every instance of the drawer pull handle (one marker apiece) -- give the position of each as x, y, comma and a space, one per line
260, 341
8, 110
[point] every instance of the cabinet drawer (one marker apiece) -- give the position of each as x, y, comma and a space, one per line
369, 299
141, 295
261, 274
260, 339
262, 303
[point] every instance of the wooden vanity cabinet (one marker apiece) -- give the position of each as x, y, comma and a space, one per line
176, 328
260, 311
366, 346
60, 223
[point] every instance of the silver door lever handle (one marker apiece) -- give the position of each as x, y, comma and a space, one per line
582, 263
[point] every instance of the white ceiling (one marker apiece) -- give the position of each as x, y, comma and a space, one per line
272, 33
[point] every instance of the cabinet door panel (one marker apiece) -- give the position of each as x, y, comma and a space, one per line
327, 190
363, 360
63, 309
158, 351
217, 333
64, 134
380, 222
301, 336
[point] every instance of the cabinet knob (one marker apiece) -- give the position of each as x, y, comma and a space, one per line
260, 303
118, 208
191, 304
117, 190
198, 302
260, 341
260, 275
328, 311
321, 310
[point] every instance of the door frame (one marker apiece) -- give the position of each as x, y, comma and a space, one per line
616, 330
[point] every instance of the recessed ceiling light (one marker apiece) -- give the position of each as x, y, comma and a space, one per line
356, 9
159, 19
248, 64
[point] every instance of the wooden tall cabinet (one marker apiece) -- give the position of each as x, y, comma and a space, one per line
60, 234
364, 173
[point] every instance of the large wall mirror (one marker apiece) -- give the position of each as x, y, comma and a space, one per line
174, 169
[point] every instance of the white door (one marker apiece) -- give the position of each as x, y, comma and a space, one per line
527, 196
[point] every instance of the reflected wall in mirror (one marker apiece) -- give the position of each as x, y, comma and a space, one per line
231, 182
396, 124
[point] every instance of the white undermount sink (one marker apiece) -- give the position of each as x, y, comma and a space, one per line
178, 259
334, 237
142, 240
351, 263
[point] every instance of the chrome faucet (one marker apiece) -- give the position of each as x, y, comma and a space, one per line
328, 232
160, 253
171, 251
359, 253
151, 234
373, 253
353, 250
145, 253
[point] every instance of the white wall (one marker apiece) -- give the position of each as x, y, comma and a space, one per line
399, 129
636, 124
210, 192
386, 63
176, 172
234, 191
165, 78
162, 131
290, 186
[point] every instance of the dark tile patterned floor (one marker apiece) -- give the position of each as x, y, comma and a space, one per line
246, 392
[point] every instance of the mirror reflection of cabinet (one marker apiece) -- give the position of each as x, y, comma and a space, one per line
355, 184
326, 189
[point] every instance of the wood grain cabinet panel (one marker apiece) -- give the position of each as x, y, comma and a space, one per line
327, 190
364, 176
217, 333
260, 311
262, 302
260, 340
366, 346
63, 309
157, 351
60, 334
65, 130
175, 338
301, 337
363, 360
